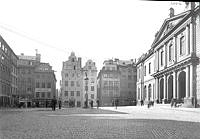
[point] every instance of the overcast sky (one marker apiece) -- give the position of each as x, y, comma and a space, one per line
93, 29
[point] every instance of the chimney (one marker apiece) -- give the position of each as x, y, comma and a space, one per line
171, 14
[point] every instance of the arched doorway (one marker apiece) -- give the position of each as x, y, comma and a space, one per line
182, 85
149, 92
161, 90
170, 88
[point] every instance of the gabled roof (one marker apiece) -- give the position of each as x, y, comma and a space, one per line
168, 25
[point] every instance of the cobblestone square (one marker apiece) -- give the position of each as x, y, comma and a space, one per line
78, 123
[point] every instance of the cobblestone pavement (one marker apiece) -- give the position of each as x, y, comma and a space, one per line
78, 123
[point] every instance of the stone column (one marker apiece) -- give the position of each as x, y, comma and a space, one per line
177, 86
165, 55
187, 82
187, 40
191, 82
191, 37
157, 67
174, 46
165, 88
174, 84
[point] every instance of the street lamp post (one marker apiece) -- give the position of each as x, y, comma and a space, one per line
86, 90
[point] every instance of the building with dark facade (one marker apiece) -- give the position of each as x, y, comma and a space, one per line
45, 85
8, 75
117, 80
128, 78
26, 77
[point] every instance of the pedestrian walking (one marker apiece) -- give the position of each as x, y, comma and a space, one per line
53, 103
116, 103
172, 102
91, 103
59, 104
97, 103
113, 103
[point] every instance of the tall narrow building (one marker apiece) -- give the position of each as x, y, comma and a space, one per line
90, 82
72, 82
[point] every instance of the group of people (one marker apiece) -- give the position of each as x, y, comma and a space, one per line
54, 103
115, 103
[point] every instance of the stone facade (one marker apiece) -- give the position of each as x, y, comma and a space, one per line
90, 82
45, 85
117, 80
72, 82
176, 55
26, 79
8, 75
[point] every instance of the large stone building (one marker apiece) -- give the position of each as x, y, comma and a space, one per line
8, 75
90, 82
45, 85
26, 78
174, 58
117, 80
72, 82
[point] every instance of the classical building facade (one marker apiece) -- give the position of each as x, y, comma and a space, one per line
117, 80
72, 82
8, 75
45, 85
90, 82
176, 52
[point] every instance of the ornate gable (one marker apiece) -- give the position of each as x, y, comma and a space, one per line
168, 25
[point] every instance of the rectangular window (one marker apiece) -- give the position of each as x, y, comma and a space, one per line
92, 96
145, 70
78, 94
92, 88
150, 68
37, 85
43, 94
66, 93
182, 45
129, 77
48, 94
170, 52
66, 83
162, 58
37, 94
72, 83
72, 93
49, 85
43, 85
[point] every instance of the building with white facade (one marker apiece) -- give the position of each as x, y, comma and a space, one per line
176, 53
90, 82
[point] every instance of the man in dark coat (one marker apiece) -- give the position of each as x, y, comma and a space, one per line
53, 103
97, 103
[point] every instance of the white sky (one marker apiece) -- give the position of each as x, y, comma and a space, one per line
93, 29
